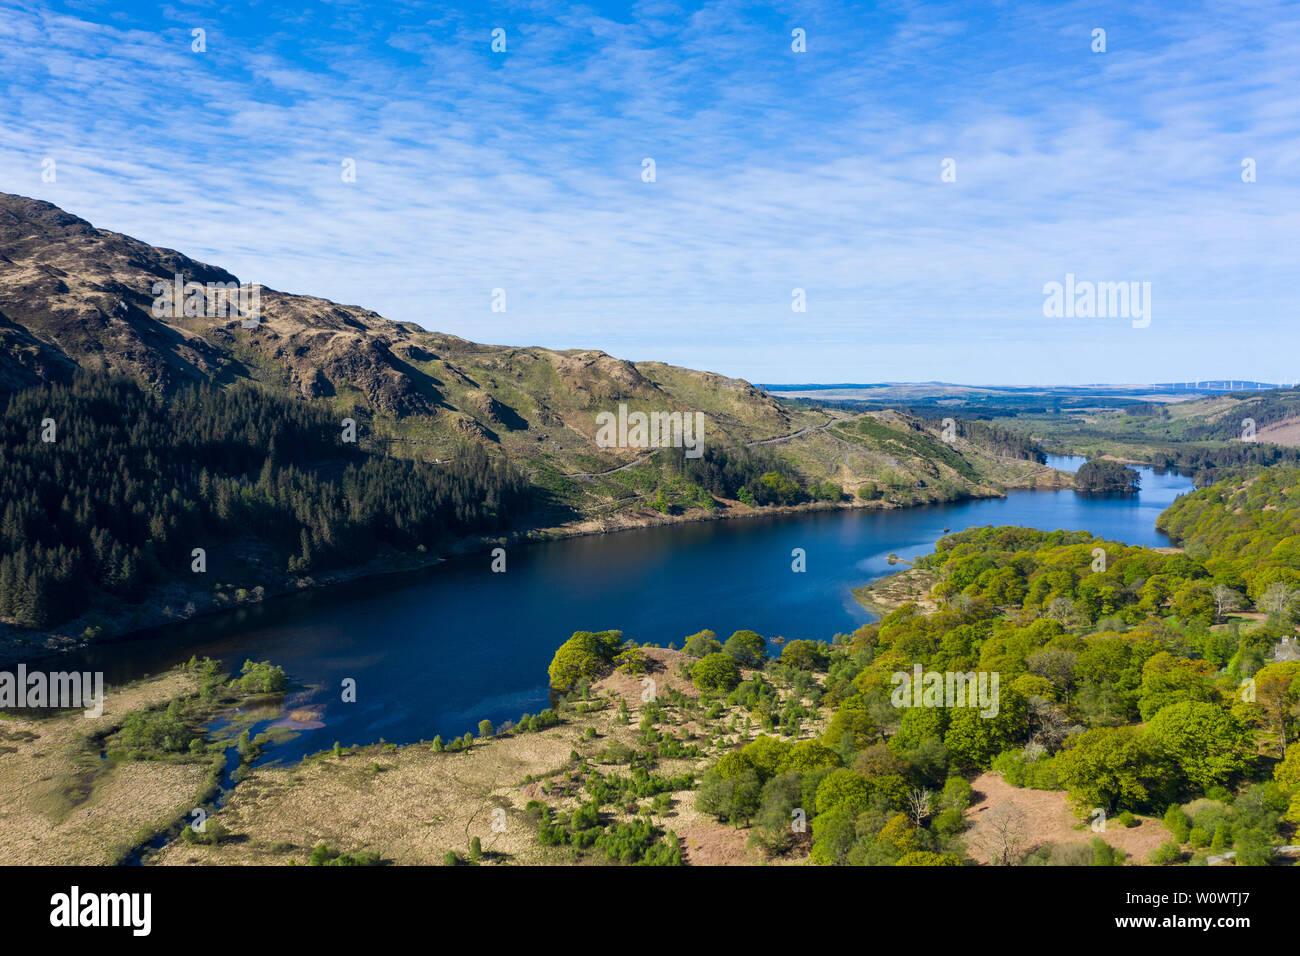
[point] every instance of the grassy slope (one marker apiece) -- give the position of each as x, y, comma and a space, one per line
76, 295
61, 804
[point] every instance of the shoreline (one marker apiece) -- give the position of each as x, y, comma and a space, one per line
158, 611
909, 585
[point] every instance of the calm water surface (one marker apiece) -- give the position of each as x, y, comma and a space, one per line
436, 651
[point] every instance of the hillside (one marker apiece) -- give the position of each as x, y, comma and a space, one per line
1247, 525
75, 296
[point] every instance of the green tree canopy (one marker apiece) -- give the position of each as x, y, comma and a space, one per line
715, 672
701, 643
1209, 744
748, 648
584, 656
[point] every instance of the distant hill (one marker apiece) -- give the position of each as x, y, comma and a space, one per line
1203, 437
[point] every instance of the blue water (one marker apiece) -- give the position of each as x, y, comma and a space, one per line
436, 651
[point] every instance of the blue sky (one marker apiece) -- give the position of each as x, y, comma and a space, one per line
775, 170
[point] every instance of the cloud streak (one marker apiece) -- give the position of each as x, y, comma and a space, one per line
775, 170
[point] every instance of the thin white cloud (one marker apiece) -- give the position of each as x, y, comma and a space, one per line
775, 170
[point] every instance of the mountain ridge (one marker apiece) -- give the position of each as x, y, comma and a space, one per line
73, 295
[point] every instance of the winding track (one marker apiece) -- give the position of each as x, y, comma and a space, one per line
587, 475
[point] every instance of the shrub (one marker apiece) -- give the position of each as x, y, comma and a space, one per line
616, 752
1103, 854
1287, 771
748, 648
261, 678
926, 858
1061, 854
1168, 852
150, 734
633, 662
1177, 823
734, 799
805, 655
325, 855
638, 843
700, 644
948, 823
213, 833
1209, 815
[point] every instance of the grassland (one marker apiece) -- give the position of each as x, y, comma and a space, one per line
94, 790
61, 802
414, 804
887, 594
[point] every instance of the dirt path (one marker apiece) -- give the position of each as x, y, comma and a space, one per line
803, 431
758, 441
602, 474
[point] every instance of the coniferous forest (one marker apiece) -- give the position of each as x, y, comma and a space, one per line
107, 484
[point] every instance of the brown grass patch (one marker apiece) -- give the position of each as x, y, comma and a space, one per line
60, 803
1049, 818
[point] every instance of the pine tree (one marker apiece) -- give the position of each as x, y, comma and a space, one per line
6, 586
304, 554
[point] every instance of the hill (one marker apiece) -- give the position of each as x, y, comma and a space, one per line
187, 405
75, 296
1205, 437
